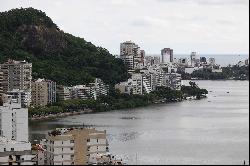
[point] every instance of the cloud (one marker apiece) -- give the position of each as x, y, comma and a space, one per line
209, 2
217, 26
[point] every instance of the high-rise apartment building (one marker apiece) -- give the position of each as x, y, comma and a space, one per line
193, 58
1, 84
39, 93
167, 55
75, 146
16, 75
51, 91
131, 55
43, 92
14, 146
14, 120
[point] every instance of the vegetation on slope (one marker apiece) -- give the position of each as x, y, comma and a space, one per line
235, 72
28, 34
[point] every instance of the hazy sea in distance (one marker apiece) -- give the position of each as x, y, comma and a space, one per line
221, 59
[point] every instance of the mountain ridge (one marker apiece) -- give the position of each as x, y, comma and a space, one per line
29, 34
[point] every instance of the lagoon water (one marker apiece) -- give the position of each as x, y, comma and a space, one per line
214, 130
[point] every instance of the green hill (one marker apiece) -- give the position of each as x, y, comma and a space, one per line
28, 34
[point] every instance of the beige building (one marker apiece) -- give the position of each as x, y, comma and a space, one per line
77, 146
39, 93
43, 92
16, 75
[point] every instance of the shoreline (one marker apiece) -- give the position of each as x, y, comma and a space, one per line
88, 111
60, 115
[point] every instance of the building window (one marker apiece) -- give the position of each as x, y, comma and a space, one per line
12, 149
4, 149
88, 140
71, 148
72, 141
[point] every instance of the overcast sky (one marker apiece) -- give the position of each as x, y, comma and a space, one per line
205, 26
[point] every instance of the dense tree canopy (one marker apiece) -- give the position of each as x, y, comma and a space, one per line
28, 34
235, 72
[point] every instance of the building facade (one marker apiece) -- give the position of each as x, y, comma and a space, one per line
63, 92
92, 90
193, 59
23, 94
51, 91
43, 92
74, 146
1, 84
14, 146
16, 75
15, 152
39, 93
131, 55
167, 55
14, 121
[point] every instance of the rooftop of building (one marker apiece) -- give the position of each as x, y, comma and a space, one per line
11, 61
4, 140
43, 80
67, 131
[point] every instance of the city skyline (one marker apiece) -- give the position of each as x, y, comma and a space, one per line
207, 27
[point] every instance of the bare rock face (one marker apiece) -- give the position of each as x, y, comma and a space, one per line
42, 40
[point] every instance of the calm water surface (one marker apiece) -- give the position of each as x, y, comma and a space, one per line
214, 130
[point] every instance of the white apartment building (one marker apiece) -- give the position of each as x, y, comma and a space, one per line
131, 55
98, 88
149, 79
14, 146
14, 121
137, 84
150, 61
92, 90
16, 75
51, 91
23, 94
167, 55
80, 92
15, 152
63, 92
1, 84
193, 59
75, 146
